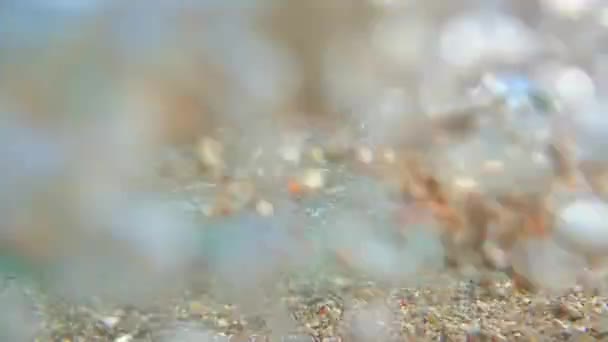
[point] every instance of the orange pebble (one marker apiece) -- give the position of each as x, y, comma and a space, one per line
294, 187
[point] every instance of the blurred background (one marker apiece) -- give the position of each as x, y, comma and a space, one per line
148, 147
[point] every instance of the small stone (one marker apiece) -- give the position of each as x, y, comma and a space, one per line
581, 227
264, 208
389, 156
110, 322
290, 154
314, 178
210, 154
222, 323
124, 338
464, 183
568, 311
365, 155
481, 306
499, 292
563, 326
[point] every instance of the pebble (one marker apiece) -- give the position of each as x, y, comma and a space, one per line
314, 178
365, 155
499, 292
124, 338
222, 323
390, 156
110, 322
291, 154
569, 311
210, 153
264, 208
582, 227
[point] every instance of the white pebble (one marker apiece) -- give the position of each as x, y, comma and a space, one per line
574, 86
583, 227
110, 321
365, 155
210, 152
264, 208
389, 156
314, 178
124, 338
465, 183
